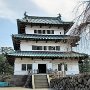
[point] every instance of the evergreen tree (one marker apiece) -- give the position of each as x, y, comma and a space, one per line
84, 66
5, 67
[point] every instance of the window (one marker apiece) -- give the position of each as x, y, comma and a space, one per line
45, 47
23, 67
26, 67
43, 31
60, 32
39, 31
48, 31
65, 67
59, 67
35, 31
39, 47
57, 48
52, 31
29, 66
34, 48
51, 47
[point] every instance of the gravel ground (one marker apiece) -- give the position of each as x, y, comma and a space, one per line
19, 88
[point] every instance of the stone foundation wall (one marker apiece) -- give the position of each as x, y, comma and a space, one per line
71, 83
20, 80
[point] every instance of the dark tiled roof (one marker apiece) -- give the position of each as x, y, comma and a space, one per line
46, 54
44, 37
43, 20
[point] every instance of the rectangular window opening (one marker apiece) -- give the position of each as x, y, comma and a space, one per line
60, 32
59, 67
45, 47
48, 31
39, 31
57, 48
29, 67
65, 67
51, 47
34, 47
23, 67
39, 47
52, 32
43, 31
35, 31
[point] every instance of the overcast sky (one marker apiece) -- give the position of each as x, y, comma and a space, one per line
10, 10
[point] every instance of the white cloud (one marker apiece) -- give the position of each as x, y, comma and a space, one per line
53, 7
10, 11
6, 12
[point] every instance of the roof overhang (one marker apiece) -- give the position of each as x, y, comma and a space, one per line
35, 37
45, 55
22, 24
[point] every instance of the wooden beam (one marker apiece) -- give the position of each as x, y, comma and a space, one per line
58, 27
36, 41
49, 26
40, 26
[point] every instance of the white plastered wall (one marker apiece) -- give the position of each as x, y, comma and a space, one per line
30, 30
72, 66
27, 45
19, 61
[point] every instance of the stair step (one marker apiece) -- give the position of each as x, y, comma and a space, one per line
40, 77
41, 81
41, 86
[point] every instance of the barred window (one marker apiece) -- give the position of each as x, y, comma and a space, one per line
29, 66
23, 67
45, 47
39, 47
39, 31
51, 47
35, 31
65, 67
59, 67
34, 47
43, 31
48, 31
52, 32
58, 48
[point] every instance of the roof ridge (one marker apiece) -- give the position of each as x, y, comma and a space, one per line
42, 17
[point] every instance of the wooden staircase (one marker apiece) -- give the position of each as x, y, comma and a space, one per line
41, 81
